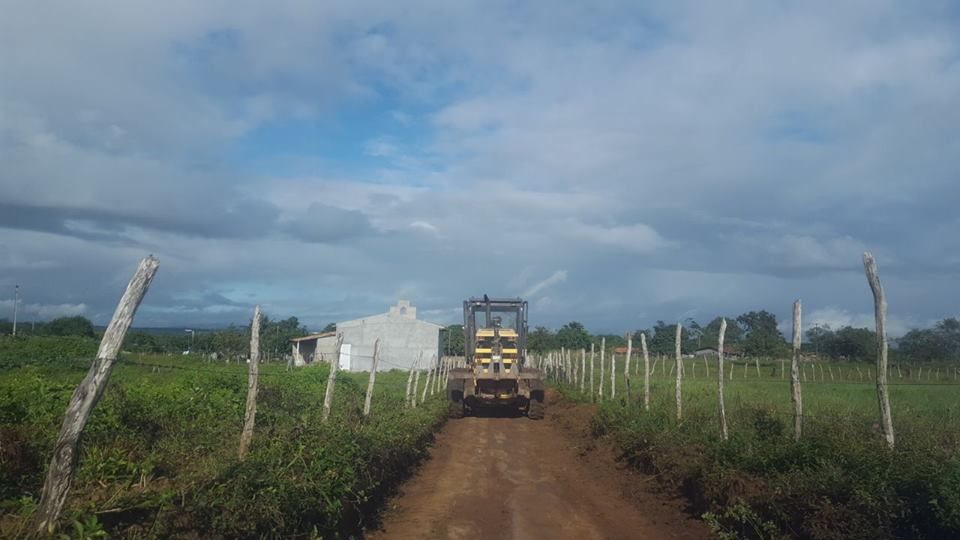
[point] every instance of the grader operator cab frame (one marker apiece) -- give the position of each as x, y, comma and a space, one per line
496, 375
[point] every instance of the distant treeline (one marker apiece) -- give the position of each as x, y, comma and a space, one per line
82, 339
753, 334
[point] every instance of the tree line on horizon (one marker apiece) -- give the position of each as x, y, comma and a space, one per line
754, 333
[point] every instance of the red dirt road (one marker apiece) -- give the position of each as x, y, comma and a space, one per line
502, 478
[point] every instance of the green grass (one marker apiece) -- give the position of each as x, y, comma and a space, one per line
839, 481
159, 455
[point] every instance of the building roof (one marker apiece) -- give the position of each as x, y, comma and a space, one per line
312, 337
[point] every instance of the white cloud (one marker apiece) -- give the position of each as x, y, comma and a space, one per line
33, 311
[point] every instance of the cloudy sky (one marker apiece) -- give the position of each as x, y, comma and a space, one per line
614, 162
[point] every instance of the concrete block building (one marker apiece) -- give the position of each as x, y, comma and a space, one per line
403, 339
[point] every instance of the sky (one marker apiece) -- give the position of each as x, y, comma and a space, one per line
613, 162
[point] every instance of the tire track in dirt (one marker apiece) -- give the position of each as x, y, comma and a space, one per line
518, 478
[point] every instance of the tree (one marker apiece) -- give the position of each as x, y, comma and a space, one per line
711, 333
330, 327
661, 339
452, 340
70, 326
761, 335
942, 342
573, 335
541, 339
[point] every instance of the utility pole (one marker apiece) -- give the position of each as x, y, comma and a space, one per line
16, 302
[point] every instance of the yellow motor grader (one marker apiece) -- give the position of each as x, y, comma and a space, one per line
495, 376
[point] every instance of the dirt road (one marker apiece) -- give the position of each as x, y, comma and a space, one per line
502, 478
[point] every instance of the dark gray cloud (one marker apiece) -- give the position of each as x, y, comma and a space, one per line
671, 160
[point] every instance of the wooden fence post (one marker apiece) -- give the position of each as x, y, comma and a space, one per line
603, 348
592, 354
626, 367
426, 386
416, 385
723, 410
410, 379
253, 371
332, 380
371, 381
583, 369
795, 394
613, 375
646, 371
706, 365
679, 373
85, 398
880, 314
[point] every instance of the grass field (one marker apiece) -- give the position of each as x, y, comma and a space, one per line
839, 481
159, 456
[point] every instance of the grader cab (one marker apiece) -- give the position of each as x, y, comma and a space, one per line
495, 375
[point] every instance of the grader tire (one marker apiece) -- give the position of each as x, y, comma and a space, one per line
535, 411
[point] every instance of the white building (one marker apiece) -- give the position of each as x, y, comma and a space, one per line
403, 339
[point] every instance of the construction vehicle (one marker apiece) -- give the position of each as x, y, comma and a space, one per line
495, 376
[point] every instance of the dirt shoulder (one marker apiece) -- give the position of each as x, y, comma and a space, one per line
518, 478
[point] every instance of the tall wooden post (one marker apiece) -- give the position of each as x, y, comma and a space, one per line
426, 386
880, 313
413, 368
368, 400
613, 375
679, 373
253, 371
626, 366
332, 380
723, 410
416, 385
795, 394
603, 347
592, 354
583, 368
646, 371
85, 398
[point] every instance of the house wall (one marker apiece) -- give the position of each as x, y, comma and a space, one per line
402, 340
314, 350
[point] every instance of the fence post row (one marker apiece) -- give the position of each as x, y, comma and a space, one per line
85, 398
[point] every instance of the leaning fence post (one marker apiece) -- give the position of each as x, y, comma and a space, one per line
880, 313
416, 385
613, 375
85, 398
626, 366
646, 371
603, 347
795, 394
250, 412
426, 386
679, 373
373, 378
723, 411
592, 354
332, 380
410, 378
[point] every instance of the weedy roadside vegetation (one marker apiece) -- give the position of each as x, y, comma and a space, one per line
839, 481
159, 456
